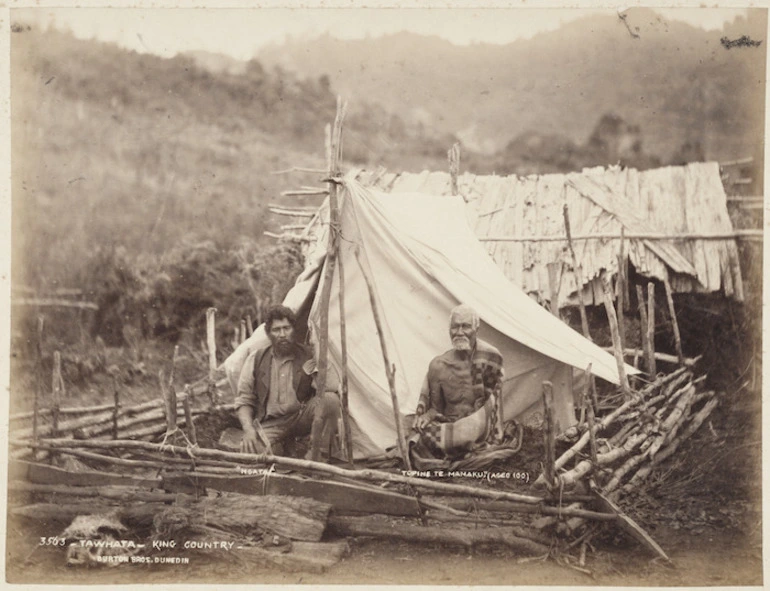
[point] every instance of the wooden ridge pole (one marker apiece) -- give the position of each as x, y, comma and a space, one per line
390, 370
674, 322
578, 276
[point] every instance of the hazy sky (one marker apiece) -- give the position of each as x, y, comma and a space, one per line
240, 32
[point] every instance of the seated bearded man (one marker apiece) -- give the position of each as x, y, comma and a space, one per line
458, 401
277, 398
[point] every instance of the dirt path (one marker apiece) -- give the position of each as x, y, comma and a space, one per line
713, 558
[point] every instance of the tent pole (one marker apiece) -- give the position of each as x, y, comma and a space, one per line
333, 153
348, 438
390, 370
578, 276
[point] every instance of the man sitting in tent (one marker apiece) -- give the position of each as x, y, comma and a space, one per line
458, 402
276, 396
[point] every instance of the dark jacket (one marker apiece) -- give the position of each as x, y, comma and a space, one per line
257, 396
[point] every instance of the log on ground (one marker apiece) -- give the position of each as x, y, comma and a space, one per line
295, 518
469, 538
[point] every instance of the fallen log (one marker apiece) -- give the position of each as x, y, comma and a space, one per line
45, 474
117, 493
468, 538
296, 518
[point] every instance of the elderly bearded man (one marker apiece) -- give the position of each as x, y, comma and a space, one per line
459, 398
276, 396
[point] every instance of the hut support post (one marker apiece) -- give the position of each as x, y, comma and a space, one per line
578, 276
674, 322
648, 360
621, 289
615, 338
651, 327
549, 468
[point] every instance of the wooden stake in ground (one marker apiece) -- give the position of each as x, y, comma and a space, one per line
649, 360
578, 276
591, 416
56, 391
390, 370
651, 327
249, 325
211, 342
454, 166
39, 373
674, 322
169, 398
615, 338
620, 286
116, 408
549, 436
193, 435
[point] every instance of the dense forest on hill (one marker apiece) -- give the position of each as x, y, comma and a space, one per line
139, 178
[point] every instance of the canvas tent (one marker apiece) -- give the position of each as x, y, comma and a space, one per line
423, 259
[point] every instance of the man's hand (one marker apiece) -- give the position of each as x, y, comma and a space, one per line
421, 421
250, 442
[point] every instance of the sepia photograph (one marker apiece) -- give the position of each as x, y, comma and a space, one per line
395, 295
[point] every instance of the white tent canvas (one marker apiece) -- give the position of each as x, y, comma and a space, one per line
423, 259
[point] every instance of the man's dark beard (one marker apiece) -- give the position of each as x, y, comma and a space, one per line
282, 346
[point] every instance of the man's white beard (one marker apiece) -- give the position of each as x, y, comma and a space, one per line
461, 344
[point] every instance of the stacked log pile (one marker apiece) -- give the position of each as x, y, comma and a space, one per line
614, 453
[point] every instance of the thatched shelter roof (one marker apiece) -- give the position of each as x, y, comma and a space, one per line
521, 221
